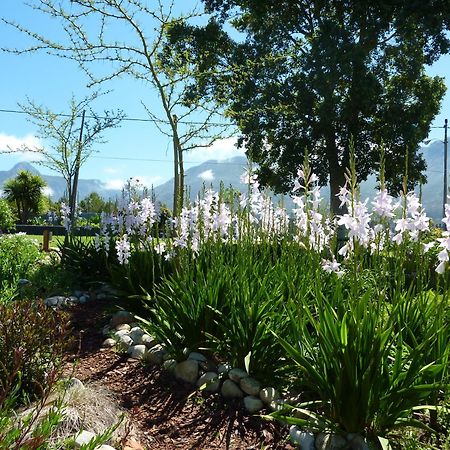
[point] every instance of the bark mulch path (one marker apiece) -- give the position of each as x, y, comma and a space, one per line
165, 413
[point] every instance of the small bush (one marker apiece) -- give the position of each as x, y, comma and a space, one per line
7, 219
19, 256
32, 341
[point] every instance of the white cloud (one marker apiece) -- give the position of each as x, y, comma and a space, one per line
220, 150
47, 191
116, 183
13, 144
148, 181
207, 175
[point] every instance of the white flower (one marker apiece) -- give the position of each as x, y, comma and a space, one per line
332, 267
440, 268
383, 204
123, 249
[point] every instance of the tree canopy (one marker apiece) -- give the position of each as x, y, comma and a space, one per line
317, 75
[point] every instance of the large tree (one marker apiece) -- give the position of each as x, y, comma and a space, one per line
317, 75
113, 38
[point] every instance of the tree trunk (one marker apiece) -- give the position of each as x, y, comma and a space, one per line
336, 171
73, 197
176, 180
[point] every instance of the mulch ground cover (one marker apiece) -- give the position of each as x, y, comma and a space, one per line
165, 413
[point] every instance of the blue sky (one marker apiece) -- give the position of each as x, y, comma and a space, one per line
136, 149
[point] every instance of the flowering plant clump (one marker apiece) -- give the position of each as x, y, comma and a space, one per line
342, 300
389, 222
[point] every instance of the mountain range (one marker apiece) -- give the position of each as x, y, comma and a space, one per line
212, 174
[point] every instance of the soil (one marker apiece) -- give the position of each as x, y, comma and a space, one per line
165, 413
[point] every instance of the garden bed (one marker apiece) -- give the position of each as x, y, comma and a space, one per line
167, 414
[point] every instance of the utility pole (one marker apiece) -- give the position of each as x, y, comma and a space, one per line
444, 200
73, 200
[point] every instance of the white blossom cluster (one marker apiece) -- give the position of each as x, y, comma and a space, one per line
390, 222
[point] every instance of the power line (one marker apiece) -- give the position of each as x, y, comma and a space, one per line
126, 119
123, 158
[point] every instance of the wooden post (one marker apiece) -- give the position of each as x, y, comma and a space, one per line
47, 237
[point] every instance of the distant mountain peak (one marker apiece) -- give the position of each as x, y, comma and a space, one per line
24, 165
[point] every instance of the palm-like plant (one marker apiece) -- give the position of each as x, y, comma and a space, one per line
25, 192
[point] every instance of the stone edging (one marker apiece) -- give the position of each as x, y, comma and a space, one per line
235, 383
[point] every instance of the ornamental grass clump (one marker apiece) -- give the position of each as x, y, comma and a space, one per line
352, 356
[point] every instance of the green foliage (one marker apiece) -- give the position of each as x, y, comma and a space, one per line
19, 256
79, 255
7, 219
25, 193
32, 431
144, 271
316, 76
32, 341
94, 203
365, 377
226, 300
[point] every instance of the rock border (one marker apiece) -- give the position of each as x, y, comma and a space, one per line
123, 333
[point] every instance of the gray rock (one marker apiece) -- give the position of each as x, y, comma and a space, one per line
125, 340
196, 357
83, 299
169, 365
136, 334
208, 366
268, 395
83, 438
101, 296
137, 351
148, 341
253, 404
119, 333
357, 442
72, 299
250, 386
22, 282
187, 371
302, 438
121, 317
330, 442
75, 383
237, 375
122, 327
108, 343
78, 293
231, 390
106, 330
57, 300
223, 368
211, 380
155, 355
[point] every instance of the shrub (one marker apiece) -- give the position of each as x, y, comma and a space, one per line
19, 256
32, 341
7, 219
